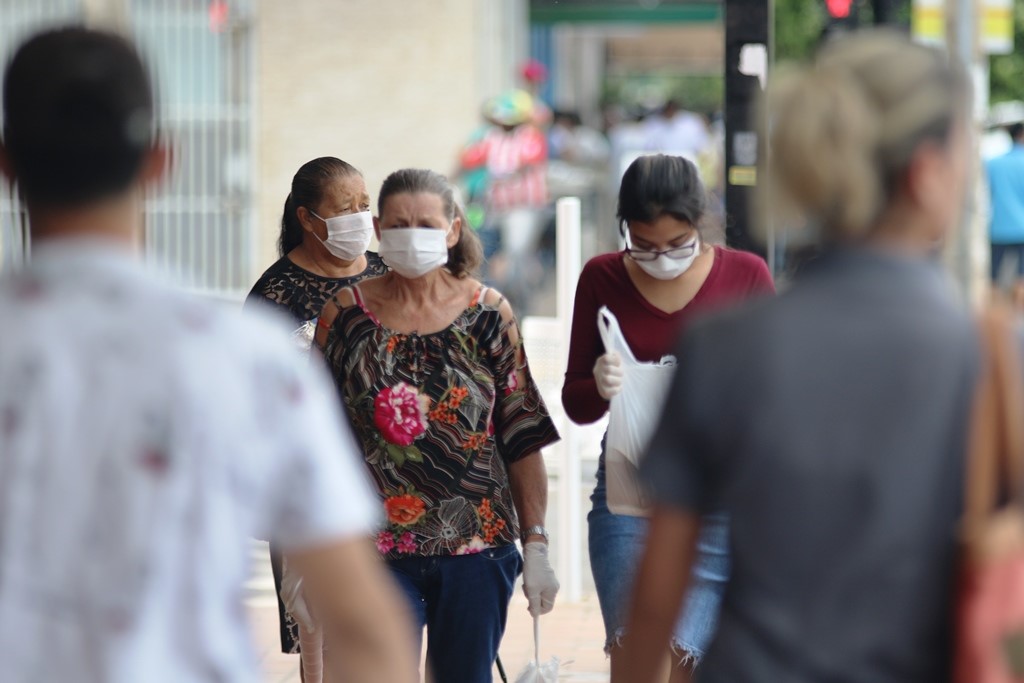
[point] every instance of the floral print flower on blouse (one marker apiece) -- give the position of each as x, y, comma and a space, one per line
442, 533
405, 510
400, 413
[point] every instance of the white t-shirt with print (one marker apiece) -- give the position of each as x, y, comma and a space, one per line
145, 435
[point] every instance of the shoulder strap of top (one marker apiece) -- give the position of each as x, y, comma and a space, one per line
479, 297
357, 294
356, 297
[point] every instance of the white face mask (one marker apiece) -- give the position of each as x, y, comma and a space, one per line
414, 252
348, 236
667, 268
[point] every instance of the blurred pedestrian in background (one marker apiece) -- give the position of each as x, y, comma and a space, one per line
431, 367
145, 434
570, 141
677, 131
665, 277
1006, 184
326, 229
507, 163
830, 422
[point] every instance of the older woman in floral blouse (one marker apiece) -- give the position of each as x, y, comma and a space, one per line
431, 368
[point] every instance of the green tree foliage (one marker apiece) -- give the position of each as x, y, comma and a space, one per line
798, 25
1007, 80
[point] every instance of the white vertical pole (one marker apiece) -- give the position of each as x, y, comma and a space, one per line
568, 227
974, 233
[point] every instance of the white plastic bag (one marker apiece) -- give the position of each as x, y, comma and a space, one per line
632, 418
535, 672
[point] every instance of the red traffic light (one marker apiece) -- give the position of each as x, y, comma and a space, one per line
839, 9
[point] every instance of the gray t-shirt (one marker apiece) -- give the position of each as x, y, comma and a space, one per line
830, 423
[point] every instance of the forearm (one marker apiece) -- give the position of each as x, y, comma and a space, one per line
581, 401
528, 479
365, 620
658, 592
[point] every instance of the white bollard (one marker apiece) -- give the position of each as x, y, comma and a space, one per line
567, 271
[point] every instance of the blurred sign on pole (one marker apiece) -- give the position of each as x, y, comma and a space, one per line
747, 48
928, 21
997, 27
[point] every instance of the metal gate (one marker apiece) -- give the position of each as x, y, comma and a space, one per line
199, 223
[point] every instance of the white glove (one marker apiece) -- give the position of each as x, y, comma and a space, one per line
539, 582
291, 596
608, 373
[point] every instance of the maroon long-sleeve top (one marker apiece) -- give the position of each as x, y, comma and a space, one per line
650, 332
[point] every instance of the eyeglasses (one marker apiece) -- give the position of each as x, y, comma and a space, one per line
685, 251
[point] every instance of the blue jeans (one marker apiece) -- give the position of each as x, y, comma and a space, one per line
463, 602
616, 543
1000, 252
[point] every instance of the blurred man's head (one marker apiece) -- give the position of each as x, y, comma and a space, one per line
1016, 131
78, 122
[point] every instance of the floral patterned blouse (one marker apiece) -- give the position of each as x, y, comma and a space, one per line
440, 416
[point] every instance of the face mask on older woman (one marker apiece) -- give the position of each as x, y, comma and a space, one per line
414, 252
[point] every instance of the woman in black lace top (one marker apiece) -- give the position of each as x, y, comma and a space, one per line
325, 231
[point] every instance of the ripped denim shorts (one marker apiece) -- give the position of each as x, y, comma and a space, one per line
616, 543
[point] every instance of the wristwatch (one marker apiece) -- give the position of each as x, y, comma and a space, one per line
535, 530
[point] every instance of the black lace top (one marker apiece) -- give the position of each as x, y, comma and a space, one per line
302, 293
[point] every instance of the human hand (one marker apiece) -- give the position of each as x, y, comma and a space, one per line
539, 582
609, 373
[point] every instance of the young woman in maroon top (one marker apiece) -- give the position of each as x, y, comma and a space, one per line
664, 277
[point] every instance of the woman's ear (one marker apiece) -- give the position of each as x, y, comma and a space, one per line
306, 219
926, 180
456, 233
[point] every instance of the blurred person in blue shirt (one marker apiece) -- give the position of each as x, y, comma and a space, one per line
1006, 184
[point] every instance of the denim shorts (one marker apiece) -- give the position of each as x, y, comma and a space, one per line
616, 543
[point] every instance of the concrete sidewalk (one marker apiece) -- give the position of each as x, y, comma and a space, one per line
573, 633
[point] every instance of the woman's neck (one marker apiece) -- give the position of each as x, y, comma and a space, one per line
903, 233
420, 292
316, 259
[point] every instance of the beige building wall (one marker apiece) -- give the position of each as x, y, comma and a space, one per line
382, 84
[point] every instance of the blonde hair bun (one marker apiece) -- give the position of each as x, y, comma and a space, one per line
842, 130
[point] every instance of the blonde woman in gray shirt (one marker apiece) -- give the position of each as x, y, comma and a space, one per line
831, 422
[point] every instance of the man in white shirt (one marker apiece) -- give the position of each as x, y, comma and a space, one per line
146, 434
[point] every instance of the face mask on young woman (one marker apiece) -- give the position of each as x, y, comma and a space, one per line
669, 264
348, 236
414, 252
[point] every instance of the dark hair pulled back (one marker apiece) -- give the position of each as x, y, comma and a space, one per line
307, 190
658, 185
467, 254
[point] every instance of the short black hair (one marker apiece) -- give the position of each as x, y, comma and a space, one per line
78, 116
1016, 130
